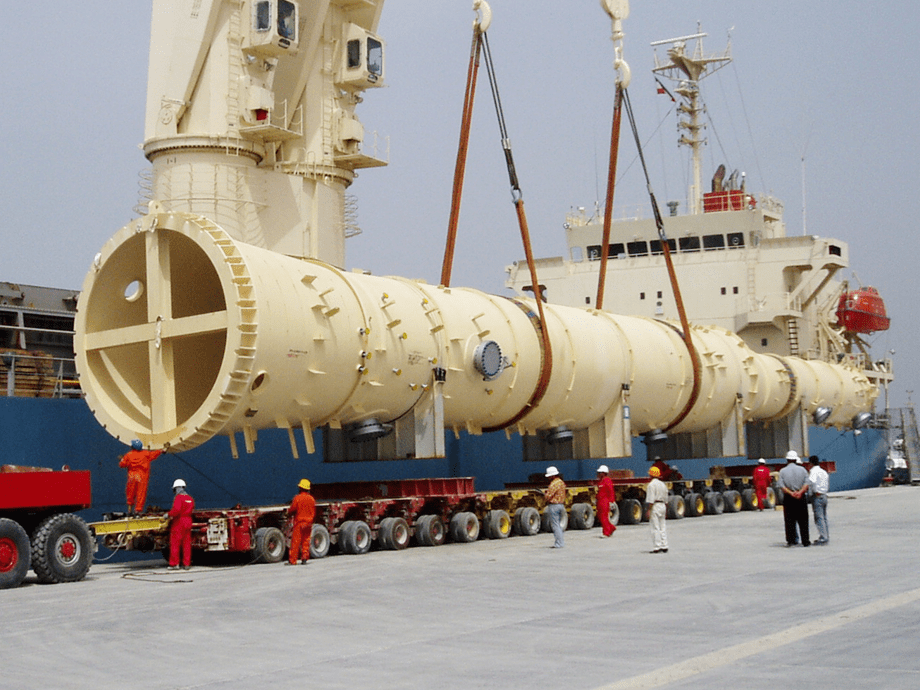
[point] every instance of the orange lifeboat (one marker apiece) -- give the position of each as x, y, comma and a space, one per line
862, 311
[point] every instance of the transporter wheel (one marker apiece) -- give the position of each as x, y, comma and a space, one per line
545, 524
384, 533
268, 545
527, 521
497, 524
464, 528
399, 534
777, 495
772, 498
715, 504
319, 542
582, 516
694, 505
62, 549
429, 530
355, 537
14, 553
630, 511
732, 501
676, 507
613, 513
748, 499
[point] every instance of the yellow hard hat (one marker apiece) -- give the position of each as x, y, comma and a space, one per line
304, 484
654, 472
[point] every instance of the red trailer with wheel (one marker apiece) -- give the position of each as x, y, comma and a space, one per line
38, 529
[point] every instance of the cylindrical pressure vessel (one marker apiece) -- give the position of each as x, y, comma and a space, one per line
183, 333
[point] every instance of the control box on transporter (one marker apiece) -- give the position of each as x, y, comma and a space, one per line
38, 528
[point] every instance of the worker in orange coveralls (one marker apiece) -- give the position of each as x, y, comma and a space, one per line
180, 527
605, 496
761, 482
138, 460
303, 508
665, 472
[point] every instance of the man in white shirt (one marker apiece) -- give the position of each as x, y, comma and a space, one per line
656, 495
818, 481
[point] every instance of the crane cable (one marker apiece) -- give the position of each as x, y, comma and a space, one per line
608, 203
546, 353
460, 167
672, 275
481, 46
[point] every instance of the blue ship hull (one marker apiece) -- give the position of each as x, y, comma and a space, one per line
56, 432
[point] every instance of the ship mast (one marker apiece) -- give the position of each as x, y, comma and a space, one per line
688, 70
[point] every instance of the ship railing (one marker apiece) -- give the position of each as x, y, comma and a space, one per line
38, 375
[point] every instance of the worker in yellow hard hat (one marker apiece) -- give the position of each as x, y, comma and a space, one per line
656, 495
303, 508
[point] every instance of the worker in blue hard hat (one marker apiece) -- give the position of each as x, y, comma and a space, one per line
137, 461
303, 508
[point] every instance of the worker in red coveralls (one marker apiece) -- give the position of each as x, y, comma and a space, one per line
303, 508
605, 496
180, 527
762, 480
138, 460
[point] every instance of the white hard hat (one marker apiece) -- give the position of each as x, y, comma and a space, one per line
762, 461
792, 455
603, 468
551, 471
179, 484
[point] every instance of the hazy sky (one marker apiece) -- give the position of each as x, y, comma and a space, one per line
827, 80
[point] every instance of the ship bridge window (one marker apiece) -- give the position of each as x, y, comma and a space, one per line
614, 251
735, 240
713, 242
638, 248
834, 250
655, 246
689, 244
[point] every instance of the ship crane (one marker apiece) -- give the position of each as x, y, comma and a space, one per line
223, 310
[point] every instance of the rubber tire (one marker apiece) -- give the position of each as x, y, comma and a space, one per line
399, 534
748, 499
52, 540
771, 501
777, 495
694, 505
676, 507
464, 528
527, 521
630, 511
715, 503
497, 524
732, 501
319, 542
268, 545
614, 513
430, 530
15, 553
582, 516
355, 537
545, 525
385, 533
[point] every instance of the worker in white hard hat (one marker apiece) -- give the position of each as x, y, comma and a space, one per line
555, 505
761, 477
793, 482
605, 496
303, 508
180, 527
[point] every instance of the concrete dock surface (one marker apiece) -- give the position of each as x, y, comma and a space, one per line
728, 606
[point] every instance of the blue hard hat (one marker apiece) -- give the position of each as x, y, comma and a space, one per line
136, 444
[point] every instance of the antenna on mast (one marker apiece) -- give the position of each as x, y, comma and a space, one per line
688, 70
